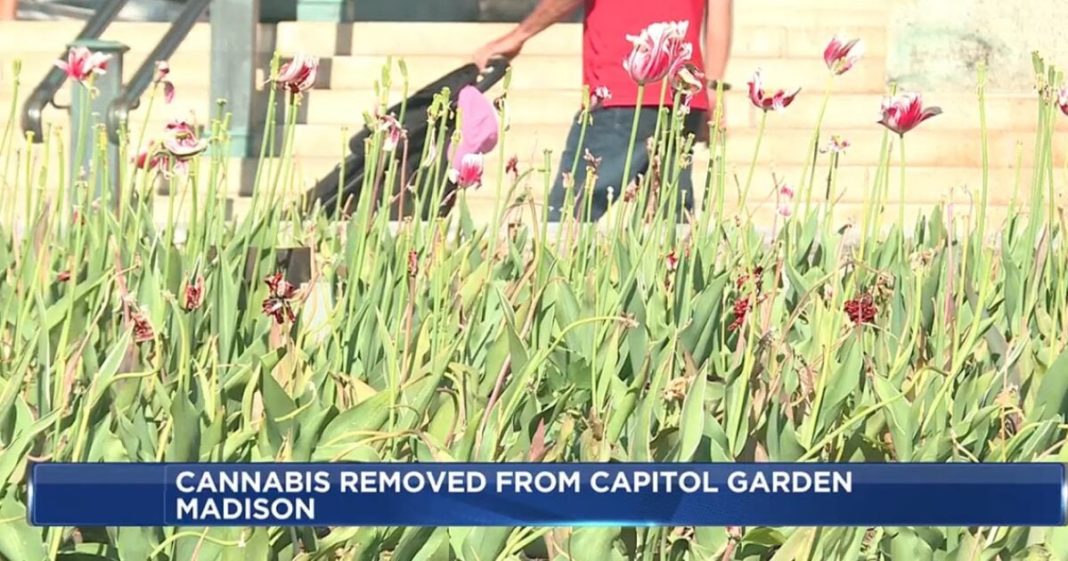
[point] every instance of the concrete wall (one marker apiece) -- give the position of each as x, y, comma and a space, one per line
937, 44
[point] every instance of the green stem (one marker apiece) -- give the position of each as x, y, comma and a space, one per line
625, 181
753, 162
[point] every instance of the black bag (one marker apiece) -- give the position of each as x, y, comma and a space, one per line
325, 193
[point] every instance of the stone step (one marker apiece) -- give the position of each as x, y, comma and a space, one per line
530, 72
753, 38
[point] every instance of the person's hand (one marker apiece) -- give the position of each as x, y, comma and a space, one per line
507, 46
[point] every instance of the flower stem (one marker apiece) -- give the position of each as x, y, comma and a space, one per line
625, 181
901, 187
752, 164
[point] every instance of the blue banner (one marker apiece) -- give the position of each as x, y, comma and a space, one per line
766, 494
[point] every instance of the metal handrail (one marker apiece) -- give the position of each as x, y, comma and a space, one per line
45, 92
130, 96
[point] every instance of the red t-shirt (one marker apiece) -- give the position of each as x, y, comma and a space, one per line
605, 45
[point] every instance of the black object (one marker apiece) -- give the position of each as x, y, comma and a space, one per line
325, 193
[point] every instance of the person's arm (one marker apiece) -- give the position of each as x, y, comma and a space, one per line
546, 13
718, 28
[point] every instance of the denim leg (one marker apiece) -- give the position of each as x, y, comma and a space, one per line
607, 138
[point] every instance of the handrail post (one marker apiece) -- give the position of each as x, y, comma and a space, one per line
235, 55
88, 118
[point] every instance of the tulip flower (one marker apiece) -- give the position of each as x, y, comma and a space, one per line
840, 54
392, 130
82, 63
298, 75
600, 95
150, 158
479, 126
512, 167
162, 71
671, 261
776, 102
658, 52
1062, 100
181, 140
837, 145
142, 328
193, 294
278, 303
861, 310
469, 172
905, 112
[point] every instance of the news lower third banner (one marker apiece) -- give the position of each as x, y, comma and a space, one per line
547, 494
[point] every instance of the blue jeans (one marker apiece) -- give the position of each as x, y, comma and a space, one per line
607, 138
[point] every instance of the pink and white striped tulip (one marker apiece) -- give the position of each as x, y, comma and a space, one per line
905, 112
841, 54
82, 63
658, 52
298, 75
1062, 100
776, 102
469, 172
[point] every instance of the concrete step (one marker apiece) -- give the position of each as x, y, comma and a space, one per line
753, 38
191, 70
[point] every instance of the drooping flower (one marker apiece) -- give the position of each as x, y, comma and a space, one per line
163, 69
82, 63
689, 80
776, 102
739, 312
671, 261
1062, 100
469, 172
142, 328
512, 167
785, 211
862, 309
151, 158
836, 145
393, 132
298, 75
841, 54
600, 95
278, 303
193, 294
658, 52
479, 126
786, 190
905, 112
592, 162
181, 140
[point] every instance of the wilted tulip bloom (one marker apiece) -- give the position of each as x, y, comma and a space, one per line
1062, 100
658, 52
150, 158
671, 261
181, 140
193, 295
162, 71
280, 293
469, 172
298, 75
841, 54
836, 145
392, 130
862, 309
776, 102
82, 63
600, 95
142, 328
904, 112
512, 167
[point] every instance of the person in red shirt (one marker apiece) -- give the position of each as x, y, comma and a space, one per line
604, 47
